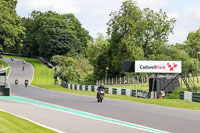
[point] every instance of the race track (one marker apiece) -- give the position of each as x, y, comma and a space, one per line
159, 117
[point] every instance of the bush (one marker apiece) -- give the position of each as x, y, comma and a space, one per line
74, 70
175, 94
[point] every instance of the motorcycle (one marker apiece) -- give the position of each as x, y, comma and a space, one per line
26, 83
16, 82
100, 96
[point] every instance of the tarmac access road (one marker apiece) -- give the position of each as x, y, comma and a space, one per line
157, 117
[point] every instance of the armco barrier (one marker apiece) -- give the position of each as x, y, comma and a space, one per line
115, 91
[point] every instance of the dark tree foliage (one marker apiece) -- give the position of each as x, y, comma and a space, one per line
193, 43
11, 29
52, 34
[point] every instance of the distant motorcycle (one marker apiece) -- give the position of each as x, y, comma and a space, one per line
26, 83
16, 82
100, 96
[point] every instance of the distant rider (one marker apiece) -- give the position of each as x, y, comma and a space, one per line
16, 82
100, 88
26, 82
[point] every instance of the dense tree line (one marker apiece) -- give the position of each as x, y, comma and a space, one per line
133, 34
51, 34
11, 30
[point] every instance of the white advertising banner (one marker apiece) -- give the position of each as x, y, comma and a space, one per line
158, 66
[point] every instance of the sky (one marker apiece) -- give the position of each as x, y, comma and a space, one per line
94, 14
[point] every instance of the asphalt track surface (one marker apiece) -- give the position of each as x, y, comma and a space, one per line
159, 117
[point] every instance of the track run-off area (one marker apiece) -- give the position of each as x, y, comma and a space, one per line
64, 112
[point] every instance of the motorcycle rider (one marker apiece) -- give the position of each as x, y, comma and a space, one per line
100, 88
16, 81
26, 82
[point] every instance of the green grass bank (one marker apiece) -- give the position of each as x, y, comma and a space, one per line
12, 124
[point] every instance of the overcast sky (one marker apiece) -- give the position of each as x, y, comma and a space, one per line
94, 14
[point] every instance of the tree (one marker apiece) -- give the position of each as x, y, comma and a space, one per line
95, 48
125, 32
81, 34
156, 28
193, 43
172, 53
136, 34
11, 29
54, 34
30, 45
74, 70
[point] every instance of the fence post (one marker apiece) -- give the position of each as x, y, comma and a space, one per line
193, 76
181, 82
134, 81
142, 81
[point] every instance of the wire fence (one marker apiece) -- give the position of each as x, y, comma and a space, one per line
143, 81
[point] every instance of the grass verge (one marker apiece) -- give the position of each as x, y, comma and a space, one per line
42, 74
47, 82
12, 124
5, 65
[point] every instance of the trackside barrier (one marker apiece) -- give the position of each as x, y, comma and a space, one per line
114, 91
190, 96
80, 87
134, 93
108, 90
123, 91
196, 97
75, 87
93, 88
86, 88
